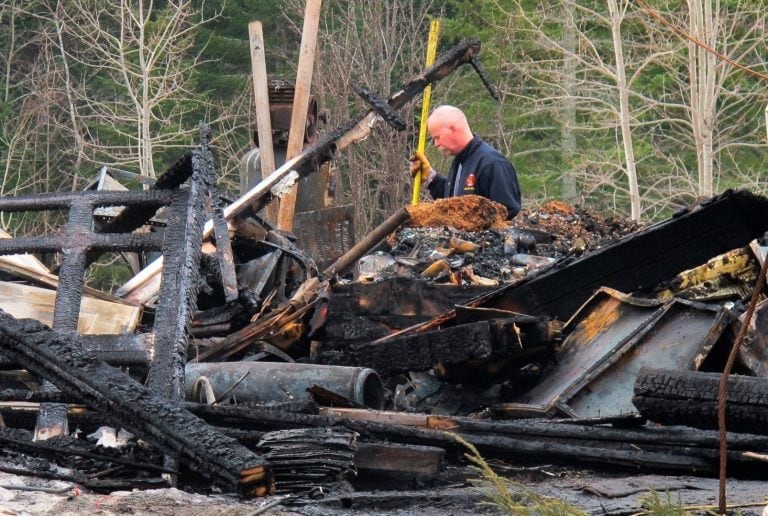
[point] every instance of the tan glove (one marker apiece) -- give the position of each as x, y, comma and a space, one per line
419, 162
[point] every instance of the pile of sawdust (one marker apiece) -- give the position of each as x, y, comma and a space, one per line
465, 213
557, 207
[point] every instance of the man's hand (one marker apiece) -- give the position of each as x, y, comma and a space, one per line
419, 162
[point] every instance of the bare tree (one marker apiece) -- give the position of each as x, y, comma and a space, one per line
582, 75
34, 152
134, 62
617, 12
737, 31
672, 88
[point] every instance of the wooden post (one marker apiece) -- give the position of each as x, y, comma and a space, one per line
261, 101
300, 105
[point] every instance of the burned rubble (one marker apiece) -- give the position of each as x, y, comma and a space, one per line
471, 244
387, 370
236, 363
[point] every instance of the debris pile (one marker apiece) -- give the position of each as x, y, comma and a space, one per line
466, 240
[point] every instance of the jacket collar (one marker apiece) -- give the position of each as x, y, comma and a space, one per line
474, 142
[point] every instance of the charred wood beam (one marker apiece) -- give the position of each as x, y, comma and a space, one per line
558, 443
418, 352
343, 329
145, 285
61, 359
116, 350
363, 312
103, 242
133, 217
63, 200
399, 296
481, 340
689, 398
52, 418
121, 350
33, 396
179, 286
224, 253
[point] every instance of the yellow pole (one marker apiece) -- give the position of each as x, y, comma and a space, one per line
434, 28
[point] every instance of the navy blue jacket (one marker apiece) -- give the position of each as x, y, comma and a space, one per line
484, 171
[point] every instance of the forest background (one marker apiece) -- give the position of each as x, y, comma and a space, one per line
632, 108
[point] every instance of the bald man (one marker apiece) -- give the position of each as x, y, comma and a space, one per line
477, 168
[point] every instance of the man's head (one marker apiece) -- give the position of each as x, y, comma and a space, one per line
449, 129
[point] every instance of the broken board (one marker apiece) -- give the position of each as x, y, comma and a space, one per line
97, 317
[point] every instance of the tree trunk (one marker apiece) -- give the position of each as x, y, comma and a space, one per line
702, 62
617, 17
569, 104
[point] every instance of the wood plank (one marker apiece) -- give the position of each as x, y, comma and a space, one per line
389, 417
25, 261
300, 105
263, 117
97, 317
418, 460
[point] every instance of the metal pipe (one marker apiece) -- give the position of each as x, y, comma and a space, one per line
283, 381
367, 243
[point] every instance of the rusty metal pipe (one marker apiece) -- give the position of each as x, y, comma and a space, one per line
367, 243
283, 381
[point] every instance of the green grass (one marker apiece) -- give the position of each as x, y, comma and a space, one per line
512, 497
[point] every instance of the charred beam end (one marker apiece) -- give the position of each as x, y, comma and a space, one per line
485, 78
136, 216
61, 360
689, 398
381, 107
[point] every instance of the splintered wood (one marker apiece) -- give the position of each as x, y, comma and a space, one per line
466, 213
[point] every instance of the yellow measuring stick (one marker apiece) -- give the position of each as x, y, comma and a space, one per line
434, 28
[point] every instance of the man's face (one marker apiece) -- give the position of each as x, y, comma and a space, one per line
445, 137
